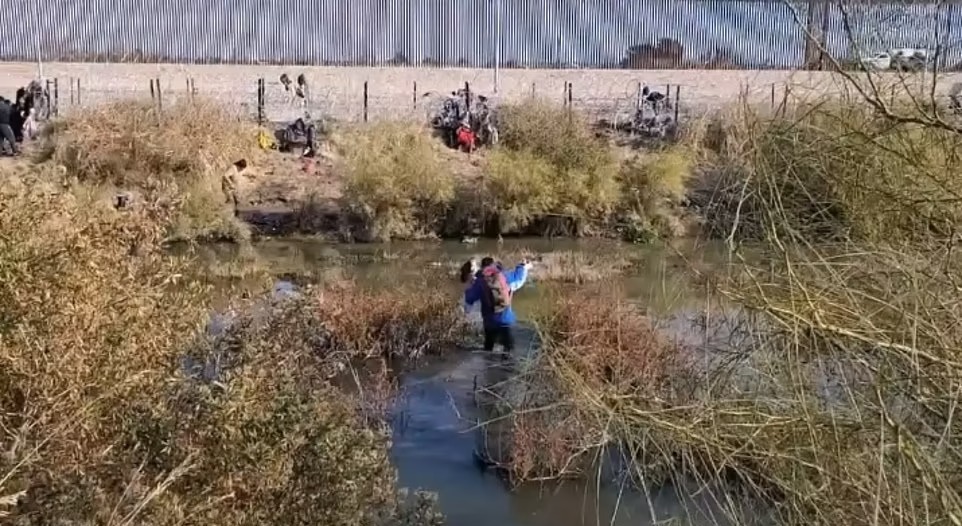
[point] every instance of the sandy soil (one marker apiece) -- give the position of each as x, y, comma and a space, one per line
399, 92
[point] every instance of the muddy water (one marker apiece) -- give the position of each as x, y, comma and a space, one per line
434, 419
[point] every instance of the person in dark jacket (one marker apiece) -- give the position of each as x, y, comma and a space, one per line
494, 287
6, 131
18, 117
655, 100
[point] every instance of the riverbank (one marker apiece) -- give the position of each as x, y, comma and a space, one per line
552, 175
781, 390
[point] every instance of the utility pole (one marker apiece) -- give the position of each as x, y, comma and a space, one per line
497, 43
36, 33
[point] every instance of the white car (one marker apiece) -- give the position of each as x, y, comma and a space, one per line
877, 62
904, 59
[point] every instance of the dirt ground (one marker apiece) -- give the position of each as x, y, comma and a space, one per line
282, 181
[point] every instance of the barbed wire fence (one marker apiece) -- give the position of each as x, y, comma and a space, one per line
414, 94
355, 98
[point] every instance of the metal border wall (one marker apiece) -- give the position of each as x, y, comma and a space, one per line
659, 34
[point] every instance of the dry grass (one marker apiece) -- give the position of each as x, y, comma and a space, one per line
179, 153
838, 169
133, 144
396, 185
578, 267
542, 425
401, 322
832, 399
101, 421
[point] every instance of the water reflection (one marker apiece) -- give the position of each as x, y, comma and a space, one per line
434, 435
660, 278
433, 440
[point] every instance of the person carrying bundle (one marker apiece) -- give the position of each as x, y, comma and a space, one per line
494, 288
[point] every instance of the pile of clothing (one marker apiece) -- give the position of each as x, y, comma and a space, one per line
302, 133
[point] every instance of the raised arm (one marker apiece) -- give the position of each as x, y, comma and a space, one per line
517, 277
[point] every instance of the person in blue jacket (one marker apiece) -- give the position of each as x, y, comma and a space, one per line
494, 287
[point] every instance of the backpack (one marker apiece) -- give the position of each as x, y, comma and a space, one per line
496, 288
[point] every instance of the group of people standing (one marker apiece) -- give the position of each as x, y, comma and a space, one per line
493, 287
18, 117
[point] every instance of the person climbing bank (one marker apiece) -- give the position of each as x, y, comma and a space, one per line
494, 287
6, 130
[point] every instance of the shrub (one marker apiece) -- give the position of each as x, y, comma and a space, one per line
654, 177
345, 321
132, 144
853, 347
108, 424
179, 153
560, 136
396, 185
597, 352
554, 159
838, 170
830, 394
652, 187
91, 321
521, 188
271, 438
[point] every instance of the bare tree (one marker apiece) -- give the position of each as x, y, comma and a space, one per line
866, 27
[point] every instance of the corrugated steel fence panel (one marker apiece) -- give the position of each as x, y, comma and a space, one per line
534, 33
881, 27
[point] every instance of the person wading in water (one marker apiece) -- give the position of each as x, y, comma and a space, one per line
494, 288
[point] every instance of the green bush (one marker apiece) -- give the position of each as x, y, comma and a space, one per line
551, 165
396, 185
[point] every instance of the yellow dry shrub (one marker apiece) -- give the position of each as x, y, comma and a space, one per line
395, 184
178, 153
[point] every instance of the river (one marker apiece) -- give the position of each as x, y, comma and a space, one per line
433, 418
